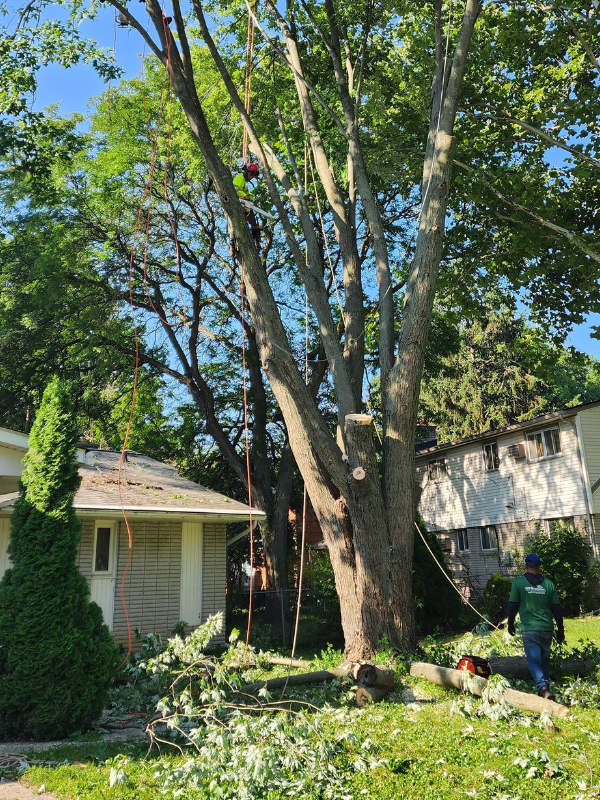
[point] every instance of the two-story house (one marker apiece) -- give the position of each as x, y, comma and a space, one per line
484, 494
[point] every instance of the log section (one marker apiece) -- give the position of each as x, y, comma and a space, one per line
455, 679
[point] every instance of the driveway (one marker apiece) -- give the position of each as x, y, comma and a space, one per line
16, 791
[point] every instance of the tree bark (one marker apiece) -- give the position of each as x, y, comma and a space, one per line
455, 679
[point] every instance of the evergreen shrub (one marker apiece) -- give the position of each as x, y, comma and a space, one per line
567, 560
437, 604
57, 656
495, 597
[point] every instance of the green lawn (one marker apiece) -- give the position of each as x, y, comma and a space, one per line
582, 628
395, 750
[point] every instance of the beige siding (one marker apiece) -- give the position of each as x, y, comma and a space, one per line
85, 556
516, 492
4, 536
152, 585
214, 570
191, 573
589, 422
473, 567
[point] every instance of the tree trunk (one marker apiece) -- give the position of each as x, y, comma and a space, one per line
275, 538
369, 531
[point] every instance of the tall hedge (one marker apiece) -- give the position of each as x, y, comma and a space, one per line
57, 656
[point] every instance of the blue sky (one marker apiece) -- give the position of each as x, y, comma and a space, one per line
73, 89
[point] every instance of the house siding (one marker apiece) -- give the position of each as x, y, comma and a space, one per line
85, 554
153, 583
517, 491
589, 422
214, 571
515, 498
4, 536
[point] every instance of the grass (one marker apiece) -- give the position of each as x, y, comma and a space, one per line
399, 751
582, 628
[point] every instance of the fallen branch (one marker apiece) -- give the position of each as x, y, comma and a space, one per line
295, 663
295, 680
457, 679
516, 666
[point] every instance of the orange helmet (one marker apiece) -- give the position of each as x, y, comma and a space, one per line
251, 169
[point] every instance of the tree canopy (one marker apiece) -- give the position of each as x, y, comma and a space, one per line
409, 154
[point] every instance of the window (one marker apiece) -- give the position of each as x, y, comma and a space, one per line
103, 547
462, 540
548, 523
436, 469
490, 456
489, 537
543, 444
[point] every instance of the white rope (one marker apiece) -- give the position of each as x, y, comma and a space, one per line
454, 586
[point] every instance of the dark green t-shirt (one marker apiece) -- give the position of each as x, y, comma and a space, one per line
535, 603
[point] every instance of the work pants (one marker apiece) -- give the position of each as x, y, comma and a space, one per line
537, 652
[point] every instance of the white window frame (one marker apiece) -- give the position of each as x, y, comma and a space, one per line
110, 572
460, 549
532, 456
496, 459
483, 528
437, 461
548, 523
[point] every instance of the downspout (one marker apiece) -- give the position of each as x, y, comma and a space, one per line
584, 484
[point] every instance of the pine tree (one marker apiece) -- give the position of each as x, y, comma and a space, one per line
56, 655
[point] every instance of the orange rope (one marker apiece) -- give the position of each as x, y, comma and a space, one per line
133, 394
248, 472
248, 78
147, 194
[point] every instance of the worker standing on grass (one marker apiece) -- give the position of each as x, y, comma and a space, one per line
248, 173
534, 597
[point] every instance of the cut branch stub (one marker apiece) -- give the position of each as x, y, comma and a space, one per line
358, 419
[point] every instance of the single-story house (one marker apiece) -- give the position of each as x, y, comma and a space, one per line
178, 533
484, 494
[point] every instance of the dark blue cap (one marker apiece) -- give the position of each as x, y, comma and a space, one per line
532, 560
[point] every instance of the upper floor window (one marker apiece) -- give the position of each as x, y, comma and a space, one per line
436, 469
489, 537
543, 444
491, 459
462, 540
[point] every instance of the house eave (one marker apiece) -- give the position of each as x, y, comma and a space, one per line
138, 512
517, 426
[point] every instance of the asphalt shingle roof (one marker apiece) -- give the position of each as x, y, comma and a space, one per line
143, 484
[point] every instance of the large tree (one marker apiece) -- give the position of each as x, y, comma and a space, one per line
373, 94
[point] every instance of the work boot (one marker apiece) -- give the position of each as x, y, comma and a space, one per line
546, 693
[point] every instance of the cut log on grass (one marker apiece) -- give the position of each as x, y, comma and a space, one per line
295, 663
295, 680
516, 666
369, 694
373, 675
455, 679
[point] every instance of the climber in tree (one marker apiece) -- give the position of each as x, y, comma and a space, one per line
249, 172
